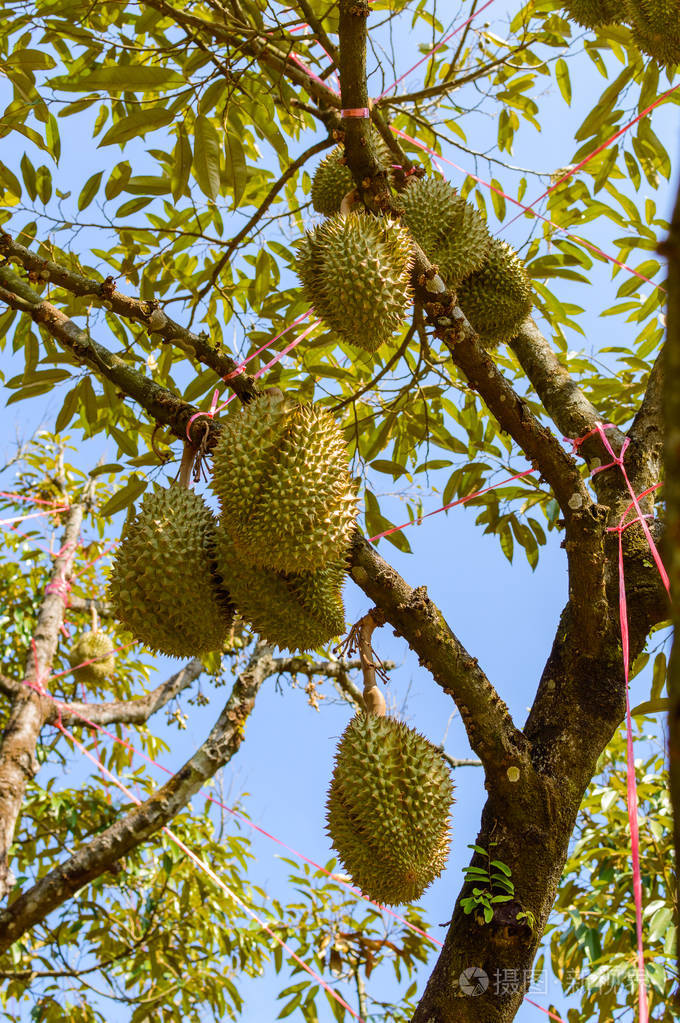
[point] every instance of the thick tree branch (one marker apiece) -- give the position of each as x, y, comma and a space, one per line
29, 709
140, 823
564, 401
138, 310
490, 729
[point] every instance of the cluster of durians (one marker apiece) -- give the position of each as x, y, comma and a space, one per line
355, 268
276, 554
654, 24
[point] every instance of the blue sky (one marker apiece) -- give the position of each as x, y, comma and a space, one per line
504, 614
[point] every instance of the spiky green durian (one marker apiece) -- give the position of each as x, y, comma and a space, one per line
388, 808
333, 179
287, 498
296, 611
91, 645
448, 229
655, 25
497, 298
163, 587
331, 182
592, 13
355, 271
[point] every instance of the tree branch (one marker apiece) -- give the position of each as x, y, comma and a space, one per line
29, 709
140, 823
257, 44
489, 726
317, 26
135, 309
160, 403
128, 712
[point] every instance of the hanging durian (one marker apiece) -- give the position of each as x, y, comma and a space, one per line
280, 472
451, 233
655, 25
593, 13
355, 271
497, 299
163, 587
333, 179
97, 647
388, 808
296, 611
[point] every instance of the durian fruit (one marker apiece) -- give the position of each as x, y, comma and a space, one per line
296, 611
331, 182
163, 587
388, 808
87, 646
592, 13
287, 498
497, 298
655, 25
333, 179
355, 271
448, 229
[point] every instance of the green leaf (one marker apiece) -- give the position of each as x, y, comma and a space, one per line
563, 80
124, 497
121, 78
207, 157
30, 60
67, 410
137, 125
237, 170
90, 189
181, 164
110, 467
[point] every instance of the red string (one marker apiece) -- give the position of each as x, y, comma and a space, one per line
546, 1011
452, 504
24, 497
34, 515
599, 149
539, 216
214, 408
631, 780
599, 429
434, 49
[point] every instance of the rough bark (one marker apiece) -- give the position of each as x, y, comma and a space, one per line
29, 710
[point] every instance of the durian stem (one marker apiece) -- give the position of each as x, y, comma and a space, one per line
374, 700
186, 465
95, 618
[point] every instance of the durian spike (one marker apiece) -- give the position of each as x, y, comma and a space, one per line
186, 465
